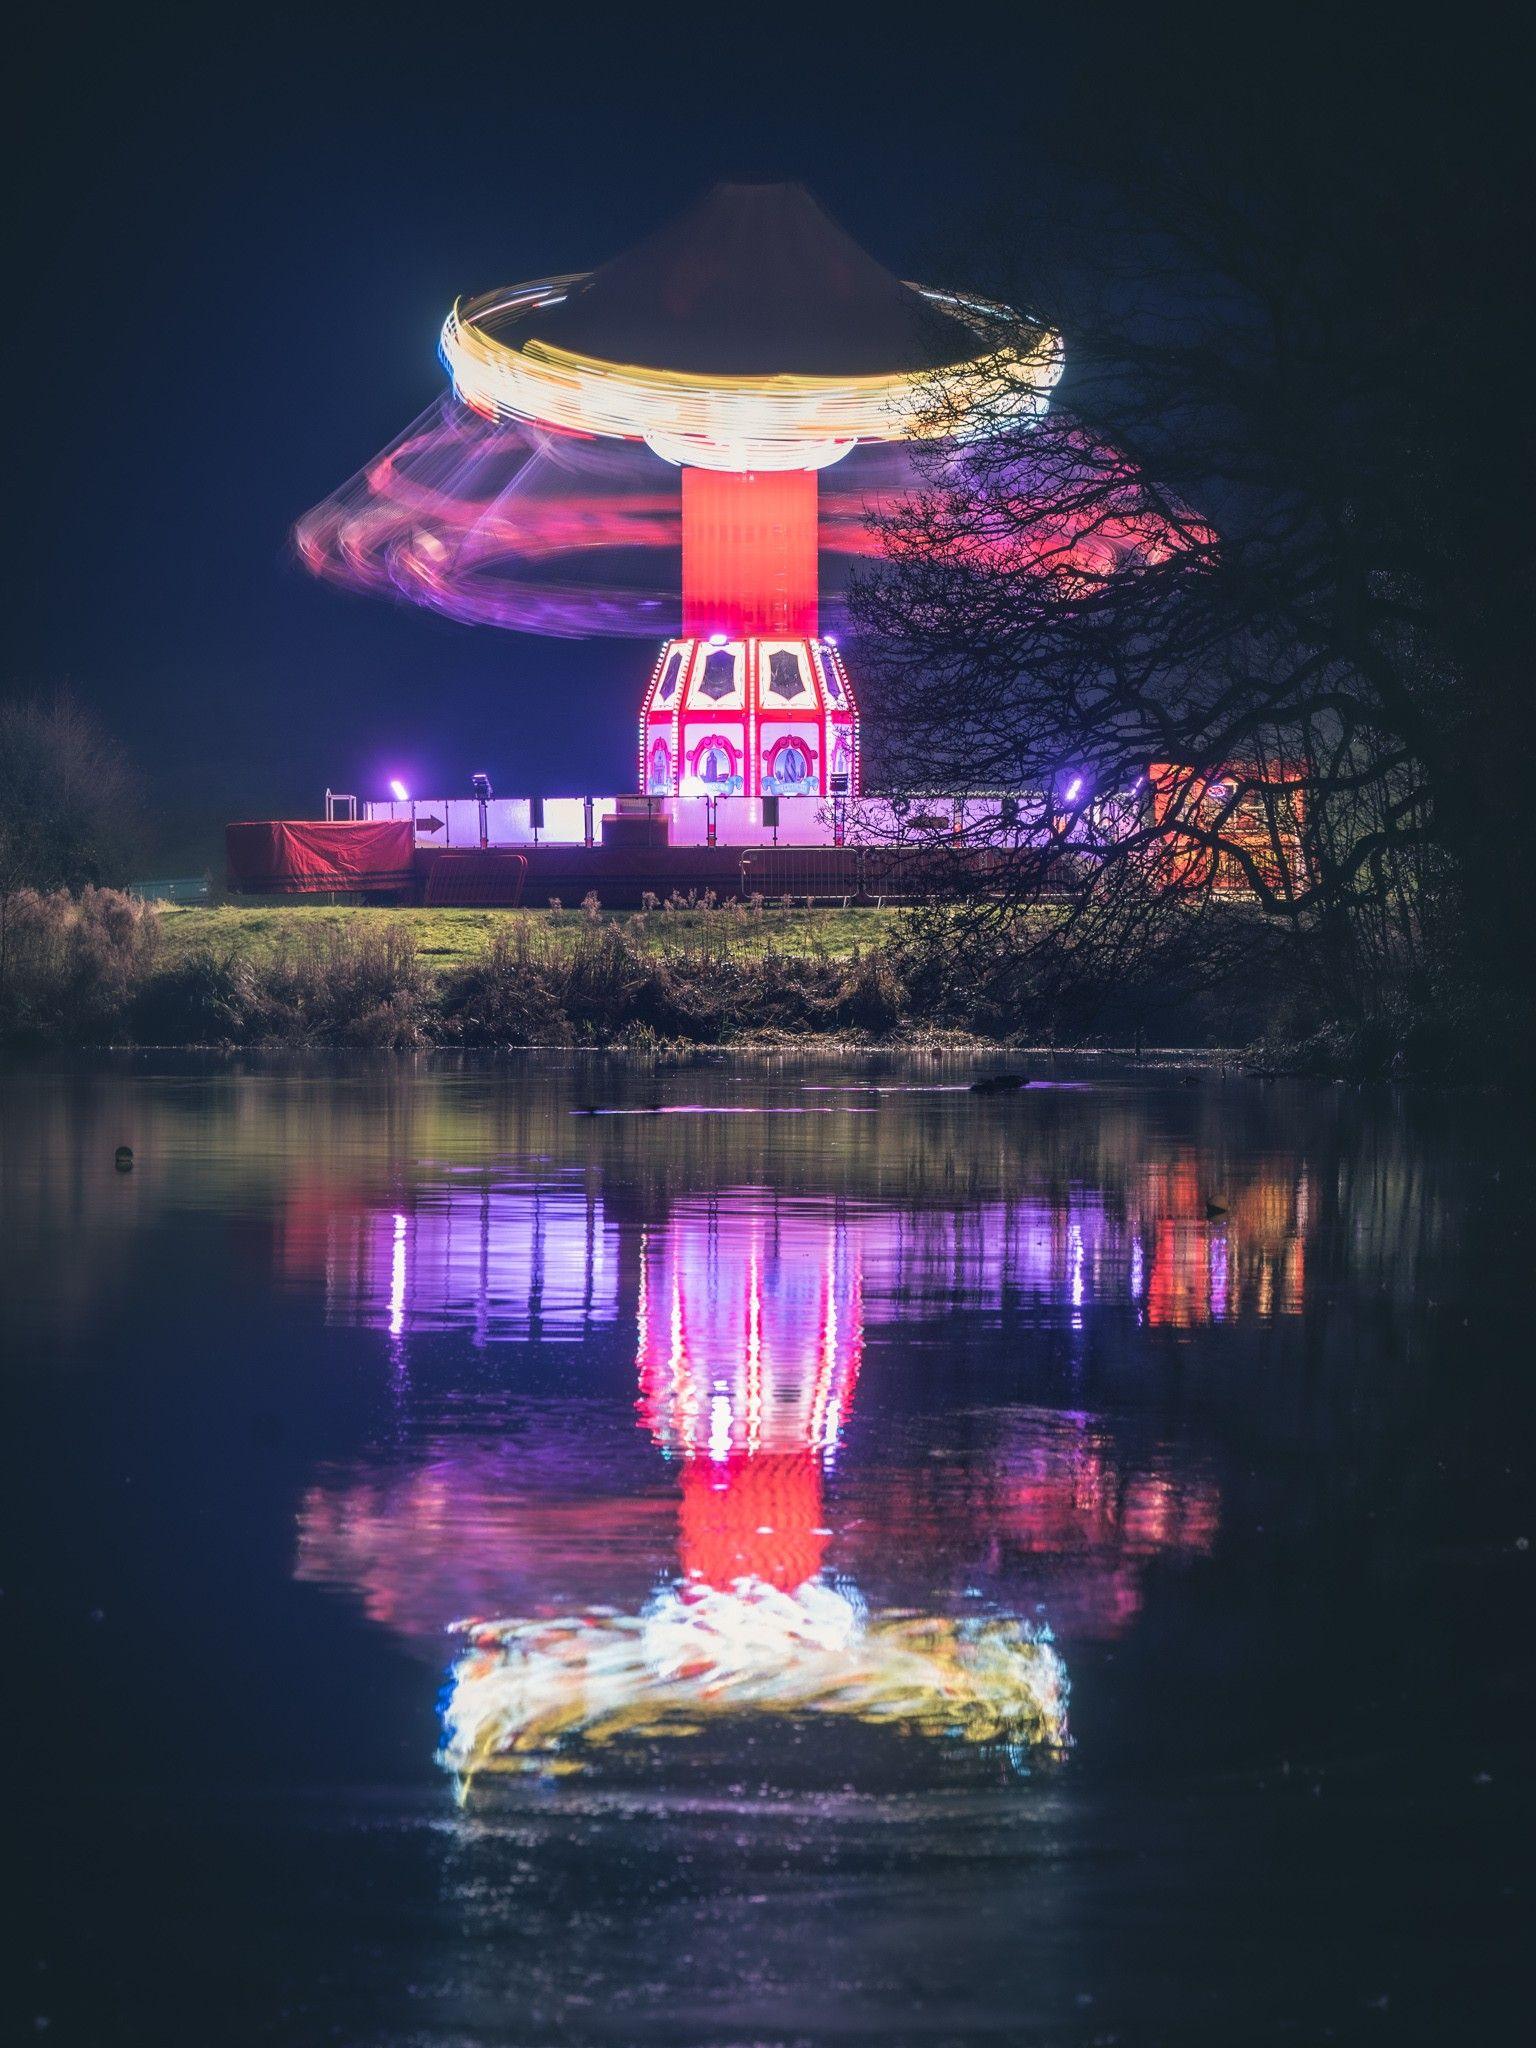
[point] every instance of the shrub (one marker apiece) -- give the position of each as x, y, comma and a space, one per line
348, 985
506, 997
208, 999
873, 996
603, 984
70, 965
70, 801
87, 970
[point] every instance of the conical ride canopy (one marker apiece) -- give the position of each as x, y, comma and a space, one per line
753, 281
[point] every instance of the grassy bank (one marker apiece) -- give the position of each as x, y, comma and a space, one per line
445, 939
103, 969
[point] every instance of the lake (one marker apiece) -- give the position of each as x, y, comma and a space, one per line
542, 1549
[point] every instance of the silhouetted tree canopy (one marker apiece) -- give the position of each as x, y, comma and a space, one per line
1273, 539
69, 797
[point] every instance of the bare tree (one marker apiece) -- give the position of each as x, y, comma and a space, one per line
1230, 616
70, 799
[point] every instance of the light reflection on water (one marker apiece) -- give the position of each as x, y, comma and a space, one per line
750, 1322
749, 1307
750, 1335
745, 1489
509, 1260
534, 1695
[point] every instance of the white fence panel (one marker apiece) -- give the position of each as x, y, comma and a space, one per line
507, 821
870, 821
461, 822
980, 820
438, 821
739, 822
565, 820
802, 823
689, 817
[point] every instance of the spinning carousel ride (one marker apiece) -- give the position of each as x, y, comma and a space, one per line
741, 389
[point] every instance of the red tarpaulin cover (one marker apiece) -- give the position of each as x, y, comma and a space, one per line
297, 857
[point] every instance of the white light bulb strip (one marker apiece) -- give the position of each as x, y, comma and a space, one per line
735, 423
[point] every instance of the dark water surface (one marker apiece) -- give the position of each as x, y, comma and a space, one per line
835, 1558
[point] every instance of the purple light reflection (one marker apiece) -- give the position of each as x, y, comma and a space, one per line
510, 1262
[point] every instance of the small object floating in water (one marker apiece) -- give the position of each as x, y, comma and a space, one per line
1189, 1080
1213, 1210
123, 1159
999, 1084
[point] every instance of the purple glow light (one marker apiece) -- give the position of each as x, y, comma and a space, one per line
398, 790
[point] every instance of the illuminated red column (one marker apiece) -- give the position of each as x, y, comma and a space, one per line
747, 1517
749, 552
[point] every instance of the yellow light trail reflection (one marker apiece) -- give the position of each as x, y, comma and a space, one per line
537, 1696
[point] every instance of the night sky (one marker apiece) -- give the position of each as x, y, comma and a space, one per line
236, 239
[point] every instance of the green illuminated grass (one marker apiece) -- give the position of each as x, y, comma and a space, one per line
450, 938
